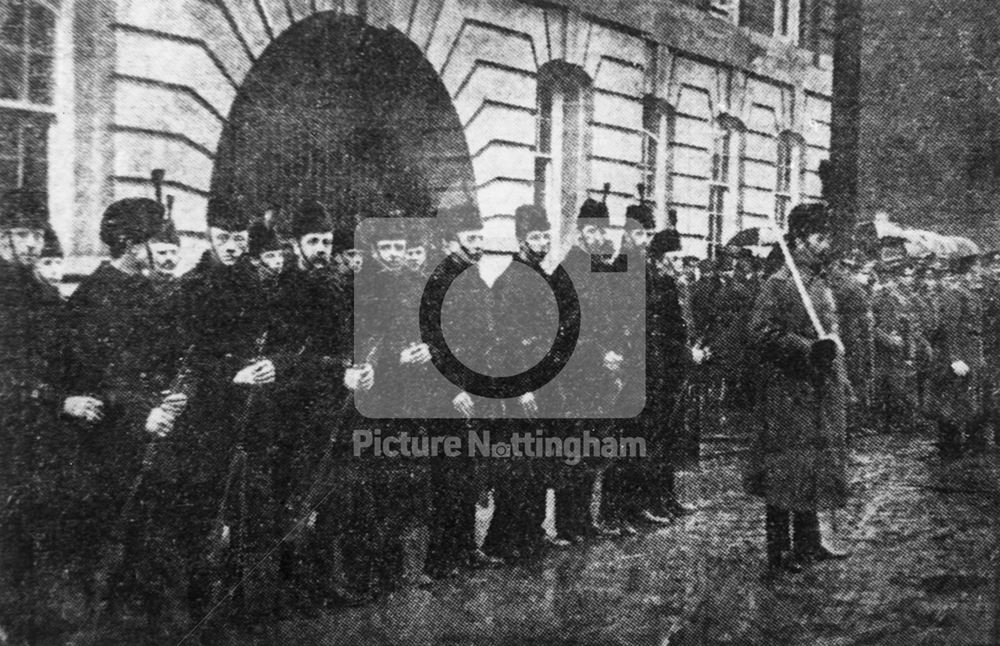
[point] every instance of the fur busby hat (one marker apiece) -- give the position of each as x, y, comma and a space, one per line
667, 241
530, 218
807, 219
309, 216
225, 212
595, 213
52, 247
640, 216
133, 220
24, 208
167, 233
387, 229
464, 217
263, 238
343, 239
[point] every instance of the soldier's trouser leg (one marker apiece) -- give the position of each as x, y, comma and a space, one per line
519, 499
805, 532
573, 498
454, 492
778, 536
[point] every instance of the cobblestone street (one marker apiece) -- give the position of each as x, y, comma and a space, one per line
923, 571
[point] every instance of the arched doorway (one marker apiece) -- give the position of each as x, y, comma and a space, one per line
352, 115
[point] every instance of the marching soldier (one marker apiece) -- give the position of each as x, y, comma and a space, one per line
852, 289
798, 459
116, 381
34, 454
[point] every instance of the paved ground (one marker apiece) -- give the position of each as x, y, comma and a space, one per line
924, 570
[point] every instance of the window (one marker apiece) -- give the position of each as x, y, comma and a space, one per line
758, 15
719, 190
783, 188
817, 25
562, 152
27, 43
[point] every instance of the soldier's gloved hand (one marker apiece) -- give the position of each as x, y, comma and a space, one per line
698, 355
359, 377
86, 408
613, 361
529, 404
416, 354
960, 368
463, 404
159, 422
822, 353
174, 404
256, 374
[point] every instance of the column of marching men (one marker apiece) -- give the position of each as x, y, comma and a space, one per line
179, 450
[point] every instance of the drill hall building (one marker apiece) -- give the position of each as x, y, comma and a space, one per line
721, 108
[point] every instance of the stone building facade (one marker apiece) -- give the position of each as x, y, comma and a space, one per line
720, 107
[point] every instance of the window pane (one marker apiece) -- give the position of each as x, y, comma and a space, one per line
42, 28
12, 22
8, 136
758, 15
36, 154
11, 74
8, 174
40, 79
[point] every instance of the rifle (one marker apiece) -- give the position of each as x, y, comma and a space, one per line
219, 537
113, 554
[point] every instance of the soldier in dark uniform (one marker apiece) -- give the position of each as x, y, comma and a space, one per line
852, 288
798, 459
229, 517
956, 377
117, 383
588, 373
643, 489
35, 453
455, 481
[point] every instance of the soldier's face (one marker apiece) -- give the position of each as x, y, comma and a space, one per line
593, 237
539, 242
50, 270
165, 257
640, 238
22, 245
274, 261
315, 250
350, 261
228, 246
471, 242
416, 257
391, 253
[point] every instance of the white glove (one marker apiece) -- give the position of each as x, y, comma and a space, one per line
463, 404
174, 404
698, 355
256, 374
159, 422
86, 408
360, 378
416, 354
529, 404
613, 361
960, 368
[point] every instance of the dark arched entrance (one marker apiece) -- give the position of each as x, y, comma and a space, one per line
349, 114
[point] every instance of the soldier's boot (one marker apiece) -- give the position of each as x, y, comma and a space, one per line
778, 542
808, 541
